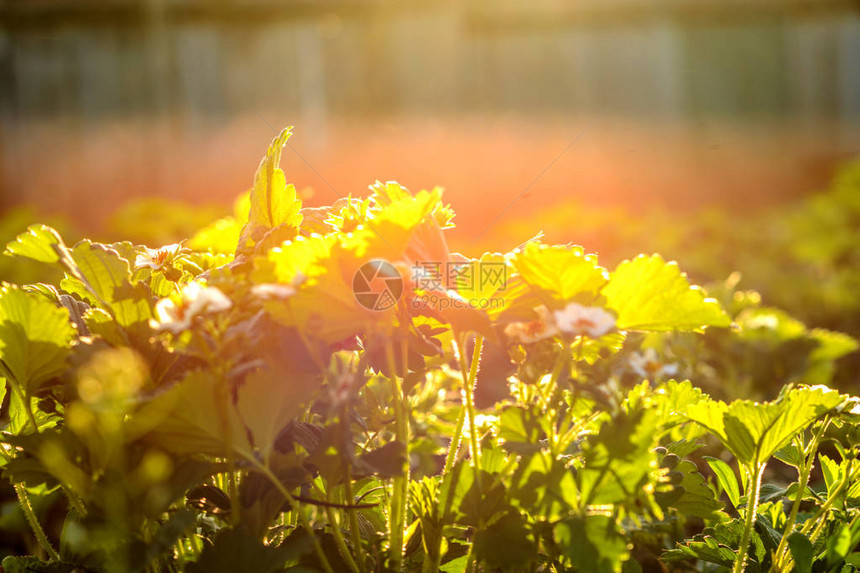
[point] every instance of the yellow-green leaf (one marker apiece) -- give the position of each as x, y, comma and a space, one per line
560, 274
35, 337
188, 419
648, 293
274, 204
40, 243
104, 280
754, 431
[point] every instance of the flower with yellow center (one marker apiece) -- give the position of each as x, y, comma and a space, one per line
156, 259
176, 314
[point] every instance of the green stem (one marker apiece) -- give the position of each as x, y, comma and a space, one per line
802, 482
224, 403
552, 385
454, 446
27, 507
469, 397
21, 491
355, 532
74, 500
294, 504
397, 507
338, 536
820, 518
754, 480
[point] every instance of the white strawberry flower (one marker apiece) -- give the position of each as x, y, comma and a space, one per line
155, 259
579, 320
278, 291
535, 330
176, 314
648, 365
273, 291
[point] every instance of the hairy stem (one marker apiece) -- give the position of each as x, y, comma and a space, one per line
469, 397
338, 536
398, 505
753, 491
802, 482
21, 491
816, 524
454, 446
352, 513
27, 507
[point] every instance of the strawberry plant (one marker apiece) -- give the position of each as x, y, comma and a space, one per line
294, 389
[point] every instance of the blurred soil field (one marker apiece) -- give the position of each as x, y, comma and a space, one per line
496, 170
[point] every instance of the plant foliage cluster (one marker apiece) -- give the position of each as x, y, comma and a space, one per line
228, 405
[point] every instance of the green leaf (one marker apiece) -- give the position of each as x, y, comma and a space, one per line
188, 419
14, 564
769, 324
753, 431
35, 337
619, 458
841, 542
457, 565
40, 243
100, 323
558, 273
506, 544
704, 547
544, 488
518, 425
726, 478
387, 461
267, 404
832, 345
106, 280
274, 204
19, 419
830, 471
648, 293
697, 498
592, 543
237, 551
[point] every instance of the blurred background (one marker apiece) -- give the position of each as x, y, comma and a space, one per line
713, 131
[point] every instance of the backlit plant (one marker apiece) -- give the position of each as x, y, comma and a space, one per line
246, 401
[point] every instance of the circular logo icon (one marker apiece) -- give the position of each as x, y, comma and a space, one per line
377, 285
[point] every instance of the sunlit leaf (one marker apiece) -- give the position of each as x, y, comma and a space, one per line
726, 478
40, 243
753, 432
105, 281
704, 547
560, 274
773, 324
696, 497
274, 204
35, 337
191, 417
650, 294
